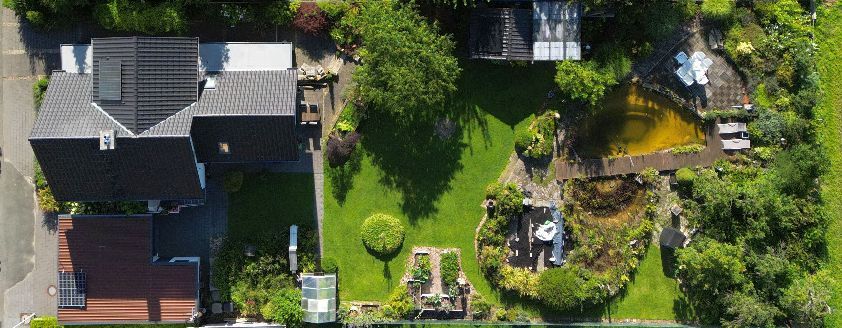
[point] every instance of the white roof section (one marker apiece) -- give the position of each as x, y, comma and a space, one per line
318, 297
731, 128
76, 58
556, 30
736, 144
213, 57
245, 56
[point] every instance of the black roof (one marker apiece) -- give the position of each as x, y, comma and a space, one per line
672, 238
154, 78
156, 146
137, 169
501, 33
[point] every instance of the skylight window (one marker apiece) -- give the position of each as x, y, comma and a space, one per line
224, 149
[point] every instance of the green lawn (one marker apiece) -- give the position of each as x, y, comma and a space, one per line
271, 202
653, 294
830, 131
434, 187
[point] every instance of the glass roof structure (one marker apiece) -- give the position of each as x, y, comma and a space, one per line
318, 297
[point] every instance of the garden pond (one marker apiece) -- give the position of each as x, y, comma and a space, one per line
633, 121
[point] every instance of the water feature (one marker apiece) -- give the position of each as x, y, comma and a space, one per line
632, 121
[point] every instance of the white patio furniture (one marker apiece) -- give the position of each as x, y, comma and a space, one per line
731, 128
694, 70
707, 62
546, 232
736, 144
681, 57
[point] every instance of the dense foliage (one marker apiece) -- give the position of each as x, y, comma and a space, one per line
382, 234
408, 68
422, 270
151, 17
260, 285
568, 287
449, 266
44, 322
583, 81
39, 88
400, 304
537, 140
310, 19
341, 148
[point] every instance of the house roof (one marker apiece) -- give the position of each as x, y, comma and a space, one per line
123, 284
672, 238
548, 31
140, 81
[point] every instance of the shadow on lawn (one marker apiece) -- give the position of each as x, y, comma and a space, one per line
413, 160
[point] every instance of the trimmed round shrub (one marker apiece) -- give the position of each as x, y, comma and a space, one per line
329, 265
233, 181
685, 177
382, 234
523, 138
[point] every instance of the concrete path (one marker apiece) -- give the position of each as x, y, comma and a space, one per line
27, 248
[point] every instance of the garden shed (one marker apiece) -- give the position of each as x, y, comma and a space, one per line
318, 297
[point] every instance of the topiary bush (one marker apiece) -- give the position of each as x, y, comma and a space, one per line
382, 234
233, 181
685, 176
508, 198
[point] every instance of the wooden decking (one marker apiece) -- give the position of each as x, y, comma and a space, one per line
663, 161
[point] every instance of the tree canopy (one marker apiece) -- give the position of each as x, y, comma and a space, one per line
583, 81
407, 67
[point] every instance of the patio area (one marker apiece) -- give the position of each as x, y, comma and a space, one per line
724, 86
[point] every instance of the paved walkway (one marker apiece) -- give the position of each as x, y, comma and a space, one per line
663, 161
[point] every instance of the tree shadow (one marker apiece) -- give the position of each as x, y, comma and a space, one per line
342, 177
668, 262
413, 160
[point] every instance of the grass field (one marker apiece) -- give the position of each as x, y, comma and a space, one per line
653, 294
434, 187
270, 202
830, 131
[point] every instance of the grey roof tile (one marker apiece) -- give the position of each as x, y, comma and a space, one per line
237, 93
67, 110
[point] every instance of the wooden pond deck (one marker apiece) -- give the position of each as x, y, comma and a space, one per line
663, 161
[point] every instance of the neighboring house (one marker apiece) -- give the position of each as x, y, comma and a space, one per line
108, 275
526, 30
137, 118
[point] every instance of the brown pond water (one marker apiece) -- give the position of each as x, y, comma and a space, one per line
634, 121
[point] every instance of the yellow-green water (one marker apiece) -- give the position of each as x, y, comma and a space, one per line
632, 121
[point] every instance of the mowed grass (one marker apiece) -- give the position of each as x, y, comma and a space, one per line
434, 187
653, 294
270, 203
830, 131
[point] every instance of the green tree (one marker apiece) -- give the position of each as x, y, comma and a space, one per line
583, 81
746, 310
711, 270
720, 10
568, 287
408, 68
806, 300
134, 16
796, 169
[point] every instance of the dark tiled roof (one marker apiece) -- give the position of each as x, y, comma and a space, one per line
249, 138
237, 93
158, 78
123, 285
501, 33
67, 110
137, 169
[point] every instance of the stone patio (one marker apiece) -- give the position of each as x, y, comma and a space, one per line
725, 89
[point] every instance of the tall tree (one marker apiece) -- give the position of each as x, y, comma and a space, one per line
407, 68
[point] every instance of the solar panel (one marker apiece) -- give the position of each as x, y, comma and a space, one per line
109, 80
72, 289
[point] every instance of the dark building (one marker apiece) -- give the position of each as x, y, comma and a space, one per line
526, 30
137, 118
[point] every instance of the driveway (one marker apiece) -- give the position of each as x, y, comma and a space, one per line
27, 248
